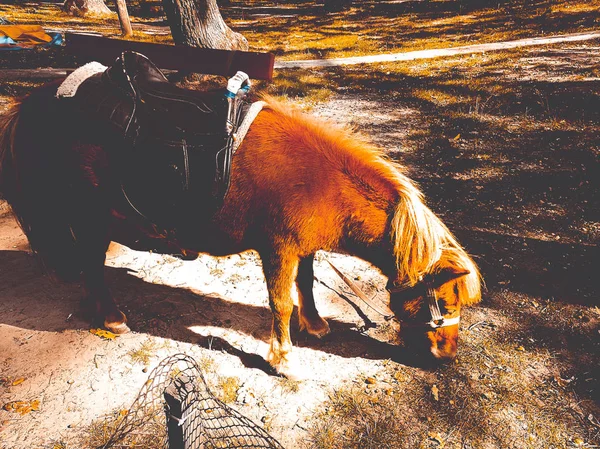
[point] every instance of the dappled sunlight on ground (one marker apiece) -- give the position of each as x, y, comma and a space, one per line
505, 147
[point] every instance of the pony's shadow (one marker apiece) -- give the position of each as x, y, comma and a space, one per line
31, 299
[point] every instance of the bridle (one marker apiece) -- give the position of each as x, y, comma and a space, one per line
437, 319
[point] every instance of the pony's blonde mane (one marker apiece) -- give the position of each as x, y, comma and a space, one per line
422, 244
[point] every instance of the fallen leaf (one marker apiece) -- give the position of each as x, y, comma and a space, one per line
22, 407
401, 377
457, 137
562, 382
435, 436
521, 348
18, 381
435, 392
593, 420
578, 442
370, 380
106, 335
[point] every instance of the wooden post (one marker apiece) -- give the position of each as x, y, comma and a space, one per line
191, 59
174, 412
124, 18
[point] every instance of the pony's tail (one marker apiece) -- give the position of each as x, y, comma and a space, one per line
8, 128
33, 202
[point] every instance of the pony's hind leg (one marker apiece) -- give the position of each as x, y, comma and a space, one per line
91, 230
99, 302
308, 315
280, 271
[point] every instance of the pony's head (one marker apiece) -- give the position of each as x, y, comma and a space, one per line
429, 311
433, 279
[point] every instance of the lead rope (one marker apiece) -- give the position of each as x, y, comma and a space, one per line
359, 293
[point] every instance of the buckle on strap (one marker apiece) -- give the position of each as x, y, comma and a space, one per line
437, 319
443, 322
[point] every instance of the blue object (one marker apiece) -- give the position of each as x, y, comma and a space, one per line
6, 43
5, 40
57, 39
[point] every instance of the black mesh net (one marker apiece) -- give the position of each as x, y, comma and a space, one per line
176, 410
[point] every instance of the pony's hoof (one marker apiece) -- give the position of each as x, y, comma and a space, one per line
317, 326
291, 370
117, 328
286, 365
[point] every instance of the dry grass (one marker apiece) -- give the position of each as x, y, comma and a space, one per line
410, 26
491, 127
227, 388
503, 392
288, 385
355, 419
144, 353
149, 435
359, 30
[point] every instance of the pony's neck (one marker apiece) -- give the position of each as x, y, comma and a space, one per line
379, 253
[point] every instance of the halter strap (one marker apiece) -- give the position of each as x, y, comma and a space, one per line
437, 319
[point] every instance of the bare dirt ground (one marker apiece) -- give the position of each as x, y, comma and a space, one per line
513, 173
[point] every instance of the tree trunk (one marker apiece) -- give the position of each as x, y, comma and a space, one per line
198, 23
84, 7
124, 18
336, 5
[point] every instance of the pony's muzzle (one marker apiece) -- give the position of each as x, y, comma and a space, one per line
444, 343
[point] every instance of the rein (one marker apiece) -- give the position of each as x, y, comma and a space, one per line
359, 292
437, 319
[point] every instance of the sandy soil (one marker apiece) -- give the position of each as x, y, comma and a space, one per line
174, 306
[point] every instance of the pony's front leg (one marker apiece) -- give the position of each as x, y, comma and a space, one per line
280, 271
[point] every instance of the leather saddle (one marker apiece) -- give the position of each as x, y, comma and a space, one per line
174, 147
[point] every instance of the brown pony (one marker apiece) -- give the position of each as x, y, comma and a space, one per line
298, 186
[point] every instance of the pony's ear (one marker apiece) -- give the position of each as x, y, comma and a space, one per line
448, 274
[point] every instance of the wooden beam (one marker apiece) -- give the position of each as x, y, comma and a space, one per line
43, 73
190, 59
